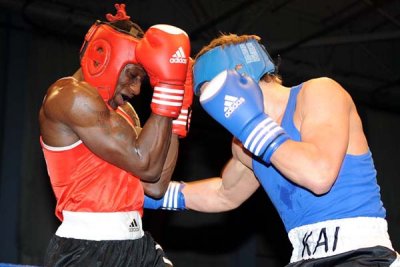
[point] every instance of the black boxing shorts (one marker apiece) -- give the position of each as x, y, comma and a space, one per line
144, 251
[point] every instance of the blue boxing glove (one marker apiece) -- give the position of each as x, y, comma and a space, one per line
173, 199
236, 102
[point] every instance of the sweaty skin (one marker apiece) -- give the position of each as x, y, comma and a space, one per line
73, 110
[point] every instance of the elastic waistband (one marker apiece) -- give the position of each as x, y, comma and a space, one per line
332, 237
101, 225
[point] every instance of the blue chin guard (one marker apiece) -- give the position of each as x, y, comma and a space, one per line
248, 58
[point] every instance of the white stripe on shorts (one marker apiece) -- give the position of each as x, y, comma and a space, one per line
101, 225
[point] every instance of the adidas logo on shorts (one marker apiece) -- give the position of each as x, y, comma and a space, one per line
133, 227
231, 104
179, 57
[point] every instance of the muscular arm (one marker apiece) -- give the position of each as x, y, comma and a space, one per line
236, 184
73, 110
157, 189
324, 112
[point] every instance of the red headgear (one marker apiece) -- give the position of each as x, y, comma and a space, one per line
105, 52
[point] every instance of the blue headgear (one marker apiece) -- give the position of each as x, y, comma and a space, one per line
250, 55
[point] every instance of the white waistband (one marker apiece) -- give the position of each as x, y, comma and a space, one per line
101, 225
337, 236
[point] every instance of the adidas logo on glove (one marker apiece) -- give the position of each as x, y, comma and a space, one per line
179, 57
231, 104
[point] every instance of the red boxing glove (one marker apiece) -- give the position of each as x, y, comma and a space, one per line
181, 125
163, 52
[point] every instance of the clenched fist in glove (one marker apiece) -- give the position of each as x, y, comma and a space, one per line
163, 52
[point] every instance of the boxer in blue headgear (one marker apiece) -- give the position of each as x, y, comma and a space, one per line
304, 145
249, 57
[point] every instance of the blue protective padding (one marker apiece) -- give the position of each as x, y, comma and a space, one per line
248, 58
236, 102
244, 97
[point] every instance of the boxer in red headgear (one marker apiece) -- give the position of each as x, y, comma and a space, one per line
99, 159
106, 50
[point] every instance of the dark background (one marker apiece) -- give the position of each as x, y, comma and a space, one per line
355, 42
